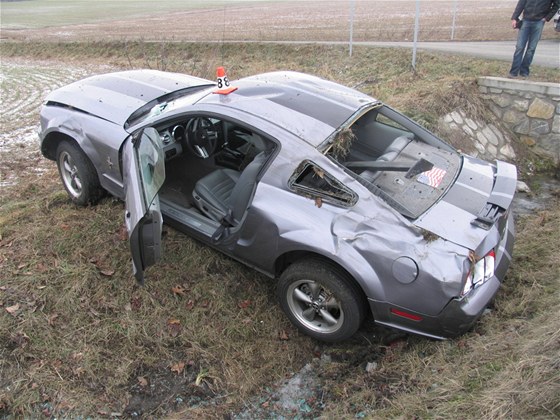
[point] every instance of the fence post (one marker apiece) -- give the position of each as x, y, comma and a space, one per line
453, 23
352, 9
416, 24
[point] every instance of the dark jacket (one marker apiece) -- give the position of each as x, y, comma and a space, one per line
536, 9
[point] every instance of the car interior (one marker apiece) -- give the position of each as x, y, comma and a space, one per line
212, 169
387, 154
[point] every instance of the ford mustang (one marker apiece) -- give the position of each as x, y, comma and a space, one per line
353, 207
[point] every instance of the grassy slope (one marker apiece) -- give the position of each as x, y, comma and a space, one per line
85, 340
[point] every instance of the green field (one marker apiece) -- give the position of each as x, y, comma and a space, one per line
46, 13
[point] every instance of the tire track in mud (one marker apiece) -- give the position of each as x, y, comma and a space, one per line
23, 86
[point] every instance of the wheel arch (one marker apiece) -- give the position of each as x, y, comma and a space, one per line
50, 143
291, 257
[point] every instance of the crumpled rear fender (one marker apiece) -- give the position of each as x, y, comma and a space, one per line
409, 267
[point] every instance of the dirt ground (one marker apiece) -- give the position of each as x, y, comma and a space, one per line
300, 21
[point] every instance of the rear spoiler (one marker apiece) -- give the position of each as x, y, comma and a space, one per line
501, 197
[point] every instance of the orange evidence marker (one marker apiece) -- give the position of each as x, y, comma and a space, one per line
224, 87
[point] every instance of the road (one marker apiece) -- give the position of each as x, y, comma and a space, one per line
547, 53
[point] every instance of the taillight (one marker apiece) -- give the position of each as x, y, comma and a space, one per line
480, 272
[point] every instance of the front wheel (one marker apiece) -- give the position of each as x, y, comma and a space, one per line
78, 174
321, 301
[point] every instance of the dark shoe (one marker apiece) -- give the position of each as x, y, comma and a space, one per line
512, 76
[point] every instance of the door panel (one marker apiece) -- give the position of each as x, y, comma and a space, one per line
144, 174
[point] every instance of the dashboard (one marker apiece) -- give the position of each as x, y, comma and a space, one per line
173, 139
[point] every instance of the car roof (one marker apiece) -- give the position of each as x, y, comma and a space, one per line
307, 106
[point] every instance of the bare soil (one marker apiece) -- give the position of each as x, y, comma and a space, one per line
300, 21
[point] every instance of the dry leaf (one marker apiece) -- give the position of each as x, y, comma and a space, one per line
20, 339
42, 268
107, 273
244, 304
178, 367
51, 319
179, 290
77, 356
122, 235
143, 382
136, 302
174, 327
283, 335
13, 309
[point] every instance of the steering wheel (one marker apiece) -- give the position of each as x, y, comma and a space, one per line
200, 139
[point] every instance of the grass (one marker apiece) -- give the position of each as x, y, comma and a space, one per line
205, 338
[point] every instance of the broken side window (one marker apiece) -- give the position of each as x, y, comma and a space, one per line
313, 182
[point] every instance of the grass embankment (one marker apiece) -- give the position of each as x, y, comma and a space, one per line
79, 338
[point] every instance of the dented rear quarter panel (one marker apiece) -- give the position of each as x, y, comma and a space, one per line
365, 239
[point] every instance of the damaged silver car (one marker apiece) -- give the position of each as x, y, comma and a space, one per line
353, 207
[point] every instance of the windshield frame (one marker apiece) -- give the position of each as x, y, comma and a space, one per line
149, 109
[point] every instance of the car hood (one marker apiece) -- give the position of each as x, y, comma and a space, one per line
115, 96
477, 202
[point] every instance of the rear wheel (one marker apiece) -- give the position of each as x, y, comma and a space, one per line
78, 174
321, 301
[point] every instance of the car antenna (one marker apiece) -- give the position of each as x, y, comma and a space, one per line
224, 87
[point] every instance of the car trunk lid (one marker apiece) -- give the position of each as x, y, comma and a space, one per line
478, 201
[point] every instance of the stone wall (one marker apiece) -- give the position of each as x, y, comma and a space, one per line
529, 109
475, 137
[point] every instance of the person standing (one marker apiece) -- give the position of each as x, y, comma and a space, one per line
535, 14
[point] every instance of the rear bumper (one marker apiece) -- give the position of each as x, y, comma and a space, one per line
456, 318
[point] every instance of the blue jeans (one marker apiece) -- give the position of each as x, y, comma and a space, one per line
528, 37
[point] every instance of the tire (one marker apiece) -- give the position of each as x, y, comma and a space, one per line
78, 175
321, 300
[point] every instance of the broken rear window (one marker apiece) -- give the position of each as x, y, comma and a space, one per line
313, 182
